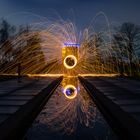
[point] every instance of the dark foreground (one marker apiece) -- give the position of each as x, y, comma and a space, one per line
104, 109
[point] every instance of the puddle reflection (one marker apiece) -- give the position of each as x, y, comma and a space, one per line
70, 87
70, 114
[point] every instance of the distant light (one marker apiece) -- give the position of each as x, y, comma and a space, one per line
71, 45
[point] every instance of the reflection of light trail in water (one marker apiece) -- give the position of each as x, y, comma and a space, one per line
64, 116
70, 91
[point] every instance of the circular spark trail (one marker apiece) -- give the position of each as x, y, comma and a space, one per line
70, 61
70, 91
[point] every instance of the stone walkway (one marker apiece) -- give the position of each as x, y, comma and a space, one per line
118, 99
13, 94
122, 91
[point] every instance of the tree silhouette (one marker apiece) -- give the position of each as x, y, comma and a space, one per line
6, 48
6, 30
126, 38
29, 52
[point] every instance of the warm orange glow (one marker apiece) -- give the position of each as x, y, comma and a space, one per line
57, 75
96, 75
44, 75
74, 93
71, 57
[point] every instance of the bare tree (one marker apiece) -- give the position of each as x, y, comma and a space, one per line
6, 30
29, 52
91, 49
126, 38
6, 48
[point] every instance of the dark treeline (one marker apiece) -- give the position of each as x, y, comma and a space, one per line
22, 45
127, 38
117, 51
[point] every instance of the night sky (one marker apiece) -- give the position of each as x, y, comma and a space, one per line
79, 11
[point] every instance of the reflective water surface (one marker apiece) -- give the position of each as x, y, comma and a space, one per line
70, 114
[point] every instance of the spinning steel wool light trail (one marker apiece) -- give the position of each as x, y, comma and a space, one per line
56, 47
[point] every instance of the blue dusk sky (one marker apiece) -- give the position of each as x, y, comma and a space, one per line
80, 11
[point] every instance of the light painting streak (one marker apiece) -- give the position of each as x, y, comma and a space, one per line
72, 57
70, 87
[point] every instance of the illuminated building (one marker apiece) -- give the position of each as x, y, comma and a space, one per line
70, 59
